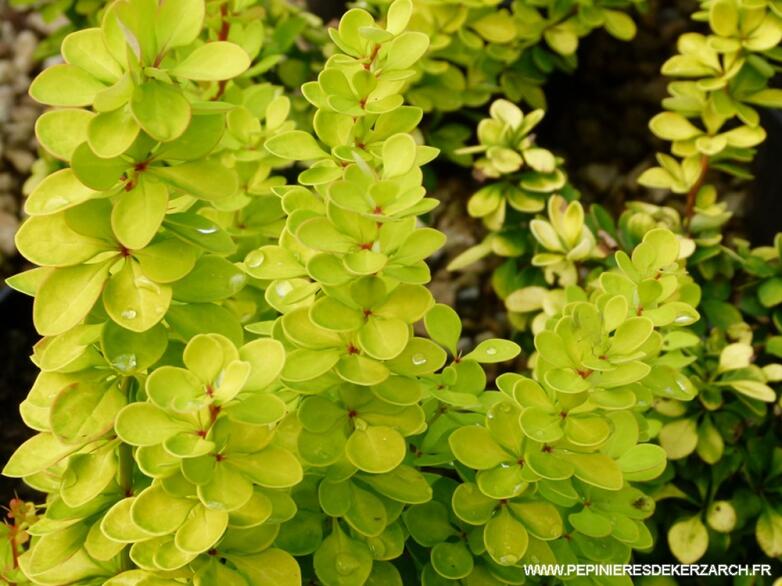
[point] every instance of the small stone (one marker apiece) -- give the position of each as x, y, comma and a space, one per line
24, 51
8, 227
21, 160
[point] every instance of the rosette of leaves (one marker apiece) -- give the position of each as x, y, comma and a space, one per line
565, 240
507, 148
526, 175
567, 247
720, 79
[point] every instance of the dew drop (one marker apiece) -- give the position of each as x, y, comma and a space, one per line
283, 288
142, 282
207, 230
346, 564
255, 259
419, 359
129, 314
237, 282
125, 362
55, 203
508, 560
491, 350
683, 319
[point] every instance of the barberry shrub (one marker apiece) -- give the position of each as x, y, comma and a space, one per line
243, 377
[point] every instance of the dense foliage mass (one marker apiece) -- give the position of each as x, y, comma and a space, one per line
244, 379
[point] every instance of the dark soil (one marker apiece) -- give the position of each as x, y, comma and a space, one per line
17, 375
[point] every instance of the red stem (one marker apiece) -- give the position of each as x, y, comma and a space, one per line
222, 35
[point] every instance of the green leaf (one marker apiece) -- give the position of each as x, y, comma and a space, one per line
405, 50
679, 438
50, 241
770, 292
296, 145
398, 16
494, 350
724, 17
36, 454
133, 300
213, 278
619, 24
213, 61
158, 513
271, 467
496, 27
768, 532
160, 109
673, 126
138, 213
444, 326
342, 561
129, 351
83, 412
65, 85
452, 560
59, 191
735, 356
596, 469
753, 390
475, 447
144, 424
66, 296
505, 538
376, 449
61, 131
178, 23
561, 39
87, 49
207, 179
398, 155
688, 540
642, 462
201, 530
95, 172
55, 548
420, 356
110, 134
383, 338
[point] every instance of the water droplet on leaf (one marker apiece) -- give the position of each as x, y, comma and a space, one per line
207, 230
346, 564
125, 362
419, 359
129, 314
255, 259
283, 288
142, 282
237, 281
508, 560
54, 203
